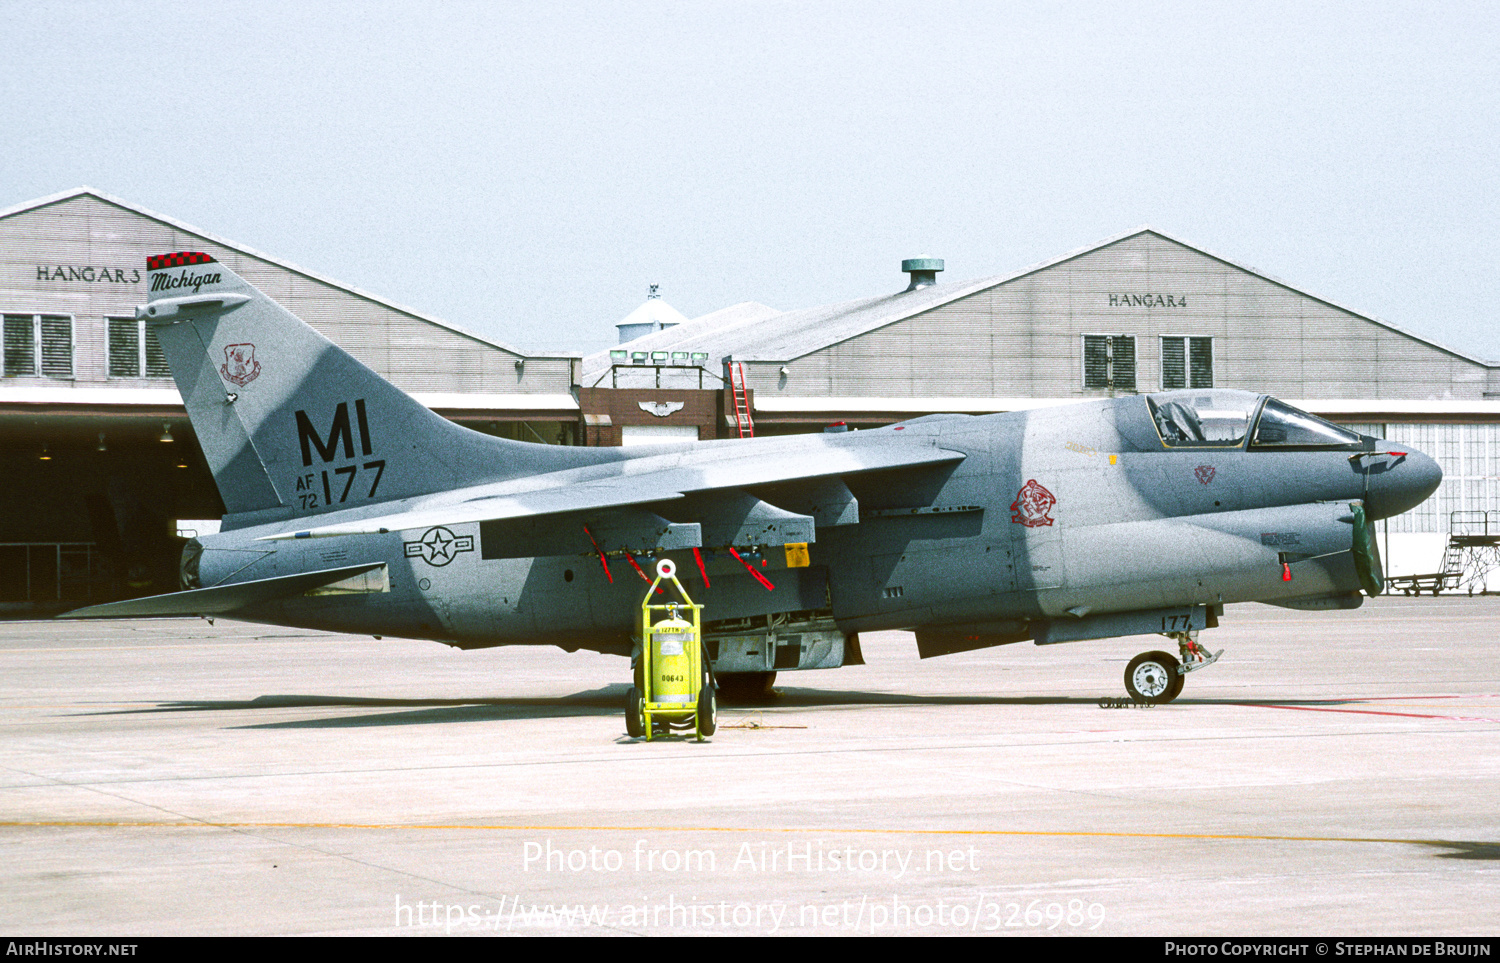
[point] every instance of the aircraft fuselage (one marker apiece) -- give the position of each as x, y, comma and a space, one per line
1053, 516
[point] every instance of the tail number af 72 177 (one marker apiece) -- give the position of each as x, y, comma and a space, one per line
340, 435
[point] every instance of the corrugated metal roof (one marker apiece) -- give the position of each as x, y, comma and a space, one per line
179, 225
783, 337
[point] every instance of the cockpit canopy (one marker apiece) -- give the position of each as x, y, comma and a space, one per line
1222, 418
1209, 417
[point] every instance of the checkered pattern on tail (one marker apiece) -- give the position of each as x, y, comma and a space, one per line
158, 261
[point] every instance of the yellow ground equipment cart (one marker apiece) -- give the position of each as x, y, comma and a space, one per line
674, 686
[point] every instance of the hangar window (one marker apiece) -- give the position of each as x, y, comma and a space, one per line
1187, 363
134, 351
38, 344
1109, 361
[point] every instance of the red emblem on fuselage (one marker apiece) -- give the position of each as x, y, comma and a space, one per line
1032, 505
1205, 473
240, 366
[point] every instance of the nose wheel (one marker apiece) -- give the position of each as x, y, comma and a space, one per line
1156, 678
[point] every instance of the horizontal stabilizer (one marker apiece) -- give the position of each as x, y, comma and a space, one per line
220, 599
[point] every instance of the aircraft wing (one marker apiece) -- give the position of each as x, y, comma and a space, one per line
646, 481
220, 599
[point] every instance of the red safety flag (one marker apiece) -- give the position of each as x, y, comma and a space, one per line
602, 560
758, 577
701, 570
631, 559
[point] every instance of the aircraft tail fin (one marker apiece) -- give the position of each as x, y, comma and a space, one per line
291, 424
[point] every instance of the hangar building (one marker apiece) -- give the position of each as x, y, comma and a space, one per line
96, 451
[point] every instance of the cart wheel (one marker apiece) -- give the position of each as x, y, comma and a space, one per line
635, 713
708, 712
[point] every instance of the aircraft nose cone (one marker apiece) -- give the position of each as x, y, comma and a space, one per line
1399, 482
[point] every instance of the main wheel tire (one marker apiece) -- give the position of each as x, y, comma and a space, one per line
746, 688
1152, 678
635, 713
708, 712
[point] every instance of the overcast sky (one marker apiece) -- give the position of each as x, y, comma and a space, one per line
527, 170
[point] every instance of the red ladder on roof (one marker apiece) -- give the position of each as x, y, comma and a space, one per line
741, 400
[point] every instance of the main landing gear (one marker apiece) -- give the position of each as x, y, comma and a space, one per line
747, 688
1156, 678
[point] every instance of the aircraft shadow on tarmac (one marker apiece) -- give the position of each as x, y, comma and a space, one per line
1466, 849
610, 700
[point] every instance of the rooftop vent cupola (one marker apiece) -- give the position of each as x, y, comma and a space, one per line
923, 271
653, 315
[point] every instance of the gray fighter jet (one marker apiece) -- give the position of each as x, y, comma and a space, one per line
352, 508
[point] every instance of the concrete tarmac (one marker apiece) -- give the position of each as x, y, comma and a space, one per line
1334, 774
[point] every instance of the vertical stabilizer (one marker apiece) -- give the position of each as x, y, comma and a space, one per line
291, 423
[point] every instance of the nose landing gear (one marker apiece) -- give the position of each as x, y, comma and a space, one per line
1156, 678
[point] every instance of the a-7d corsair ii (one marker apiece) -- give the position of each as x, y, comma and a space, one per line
352, 508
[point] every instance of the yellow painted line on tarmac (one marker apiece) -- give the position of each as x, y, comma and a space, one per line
826, 831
